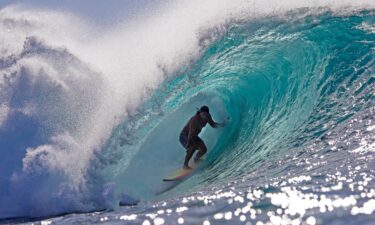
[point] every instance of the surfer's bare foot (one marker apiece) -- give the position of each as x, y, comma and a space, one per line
187, 168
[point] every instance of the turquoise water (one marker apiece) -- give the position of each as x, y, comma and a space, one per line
299, 92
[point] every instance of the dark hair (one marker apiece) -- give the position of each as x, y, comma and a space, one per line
204, 109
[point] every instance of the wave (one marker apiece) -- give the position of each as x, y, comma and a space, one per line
284, 84
86, 118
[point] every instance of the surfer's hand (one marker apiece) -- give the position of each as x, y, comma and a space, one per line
224, 123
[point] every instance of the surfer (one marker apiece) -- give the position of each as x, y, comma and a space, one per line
189, 135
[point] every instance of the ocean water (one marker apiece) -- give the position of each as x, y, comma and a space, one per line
90, 117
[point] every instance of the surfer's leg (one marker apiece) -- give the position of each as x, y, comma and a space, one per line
202, 150
189, 154
189, 151
183, 140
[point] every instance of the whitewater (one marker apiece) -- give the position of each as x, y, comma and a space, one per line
90, 114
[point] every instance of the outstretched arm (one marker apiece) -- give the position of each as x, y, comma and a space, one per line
215, 124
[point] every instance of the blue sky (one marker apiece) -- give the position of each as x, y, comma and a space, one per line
101, 11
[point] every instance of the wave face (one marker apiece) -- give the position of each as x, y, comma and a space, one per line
298, 89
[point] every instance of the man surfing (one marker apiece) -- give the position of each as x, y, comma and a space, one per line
189, 135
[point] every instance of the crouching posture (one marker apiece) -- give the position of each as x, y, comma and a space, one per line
189, 135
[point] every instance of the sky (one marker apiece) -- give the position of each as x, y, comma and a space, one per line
99, 11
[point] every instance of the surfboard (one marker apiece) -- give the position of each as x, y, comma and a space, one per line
182, 173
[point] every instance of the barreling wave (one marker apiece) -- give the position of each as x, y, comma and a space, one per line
82, 130
284, 84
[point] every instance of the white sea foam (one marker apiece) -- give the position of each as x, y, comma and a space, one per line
3, 113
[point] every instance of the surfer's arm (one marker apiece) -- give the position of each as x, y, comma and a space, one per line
214, 124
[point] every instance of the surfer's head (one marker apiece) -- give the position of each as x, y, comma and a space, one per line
204, 112
204, 109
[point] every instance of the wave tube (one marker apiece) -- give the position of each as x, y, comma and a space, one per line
276, 79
